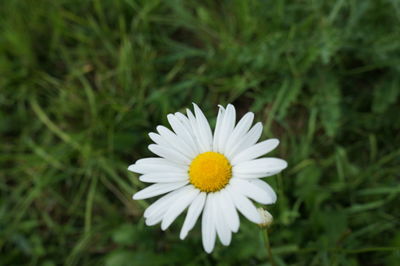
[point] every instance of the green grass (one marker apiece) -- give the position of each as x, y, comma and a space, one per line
83, 82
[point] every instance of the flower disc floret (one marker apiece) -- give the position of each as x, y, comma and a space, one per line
210, 171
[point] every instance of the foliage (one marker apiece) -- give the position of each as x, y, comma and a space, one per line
83, 82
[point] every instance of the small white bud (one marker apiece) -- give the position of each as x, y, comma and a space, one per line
266, 217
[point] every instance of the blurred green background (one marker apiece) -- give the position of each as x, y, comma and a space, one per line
83, 82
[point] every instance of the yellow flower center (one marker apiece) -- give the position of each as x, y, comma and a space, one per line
210, 171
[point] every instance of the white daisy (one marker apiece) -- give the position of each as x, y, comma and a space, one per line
214, 175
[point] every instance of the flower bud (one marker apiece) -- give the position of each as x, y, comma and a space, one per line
266, 217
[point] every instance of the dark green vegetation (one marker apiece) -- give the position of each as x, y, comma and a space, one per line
83, 82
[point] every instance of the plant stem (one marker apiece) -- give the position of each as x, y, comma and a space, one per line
268, 246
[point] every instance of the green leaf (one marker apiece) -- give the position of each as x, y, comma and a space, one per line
386, 94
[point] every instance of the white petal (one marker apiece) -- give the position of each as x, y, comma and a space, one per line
157, 161
246, 141
177, 207
204, 130
263, 165
253, 191
169, 154
182, 132
229, 211
165, 177
193, 214
254, 175
208, 227
156, 217
158, 189
188, 126
244, 205
267, 188
240, 130
223, 232
255, 151
160, 205
217, 131
175, 142
156, 138
153, 220
155, 213
185, 122
195, 130
227, 125
150, 168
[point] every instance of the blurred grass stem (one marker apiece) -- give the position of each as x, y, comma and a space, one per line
268, 246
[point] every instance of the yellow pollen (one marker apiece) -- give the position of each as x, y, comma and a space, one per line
210, 171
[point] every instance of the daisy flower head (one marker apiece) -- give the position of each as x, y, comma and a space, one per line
212, 174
